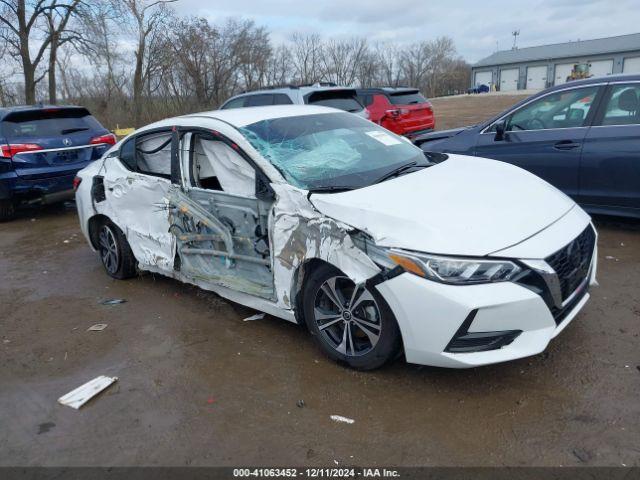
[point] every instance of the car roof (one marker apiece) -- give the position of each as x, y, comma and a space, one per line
302, 89
4, 111
619, 77
241, 117
390, 90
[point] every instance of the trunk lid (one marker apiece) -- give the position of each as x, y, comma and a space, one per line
49, 142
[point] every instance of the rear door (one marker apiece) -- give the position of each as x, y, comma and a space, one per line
220, 224
53, 141
136, 187
610, 170
545, 136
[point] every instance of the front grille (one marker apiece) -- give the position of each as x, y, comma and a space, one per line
559, 314
571, 263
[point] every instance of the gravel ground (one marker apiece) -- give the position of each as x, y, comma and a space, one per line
198, 386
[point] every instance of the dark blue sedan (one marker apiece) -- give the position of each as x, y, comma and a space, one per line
42, 148
582, 137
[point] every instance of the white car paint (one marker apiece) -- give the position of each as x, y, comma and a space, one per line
438, 209
463, 206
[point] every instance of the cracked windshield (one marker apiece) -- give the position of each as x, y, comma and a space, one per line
330, 150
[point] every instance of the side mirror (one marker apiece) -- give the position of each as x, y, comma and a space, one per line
501, 126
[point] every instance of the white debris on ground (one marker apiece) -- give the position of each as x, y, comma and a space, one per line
81, 395
340, 418
609, 257
113, 301
98, 327
257, 316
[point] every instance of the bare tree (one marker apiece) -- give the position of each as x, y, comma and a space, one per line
343, 58
19, 20
144, 18
98, 26
307, 52
57, 17
253, 50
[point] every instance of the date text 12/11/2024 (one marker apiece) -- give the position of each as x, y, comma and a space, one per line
315, 473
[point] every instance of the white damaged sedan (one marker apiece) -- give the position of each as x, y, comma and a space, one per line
320, 217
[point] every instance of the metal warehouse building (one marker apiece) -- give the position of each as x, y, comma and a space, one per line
548, 65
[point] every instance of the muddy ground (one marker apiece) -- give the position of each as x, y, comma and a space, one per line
199, 386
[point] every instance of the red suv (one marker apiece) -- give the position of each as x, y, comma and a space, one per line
402, 110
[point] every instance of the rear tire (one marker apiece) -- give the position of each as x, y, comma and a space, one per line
351, 324
7, 210
115, 252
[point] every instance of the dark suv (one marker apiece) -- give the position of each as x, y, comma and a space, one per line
42, 149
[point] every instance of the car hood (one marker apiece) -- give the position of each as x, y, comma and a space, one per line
462, 206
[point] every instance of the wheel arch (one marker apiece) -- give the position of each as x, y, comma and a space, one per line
93, 225
298, 279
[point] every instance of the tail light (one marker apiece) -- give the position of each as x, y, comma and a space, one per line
109, 139
76, 183
429, 106
396, 112
11, 149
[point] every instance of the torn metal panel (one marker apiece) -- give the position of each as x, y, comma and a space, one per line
139, 205
219, 240
232, 295
300, 233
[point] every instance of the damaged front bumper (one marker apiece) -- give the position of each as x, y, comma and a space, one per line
509, 321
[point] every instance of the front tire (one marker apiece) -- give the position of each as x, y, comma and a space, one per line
115, 252
350, 323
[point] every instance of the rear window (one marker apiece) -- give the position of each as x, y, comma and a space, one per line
406, 98
49, 122
281, 99
259, 100
235, 103
336, 99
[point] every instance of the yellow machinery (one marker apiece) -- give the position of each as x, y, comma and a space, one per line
578, 72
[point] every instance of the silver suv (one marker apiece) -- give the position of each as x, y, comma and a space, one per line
325, 94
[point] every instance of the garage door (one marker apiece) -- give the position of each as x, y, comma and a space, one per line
600, 68
631, 65
537, 77
483, 78
509, 79
563, 70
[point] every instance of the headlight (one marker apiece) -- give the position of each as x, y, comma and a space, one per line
453, 270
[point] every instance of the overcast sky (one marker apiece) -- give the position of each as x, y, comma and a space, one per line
474, 25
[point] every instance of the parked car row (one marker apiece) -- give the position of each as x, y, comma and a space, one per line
404, 111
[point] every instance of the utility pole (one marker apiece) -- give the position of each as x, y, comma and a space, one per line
515, 34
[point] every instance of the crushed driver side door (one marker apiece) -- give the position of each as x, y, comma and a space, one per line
221, 236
